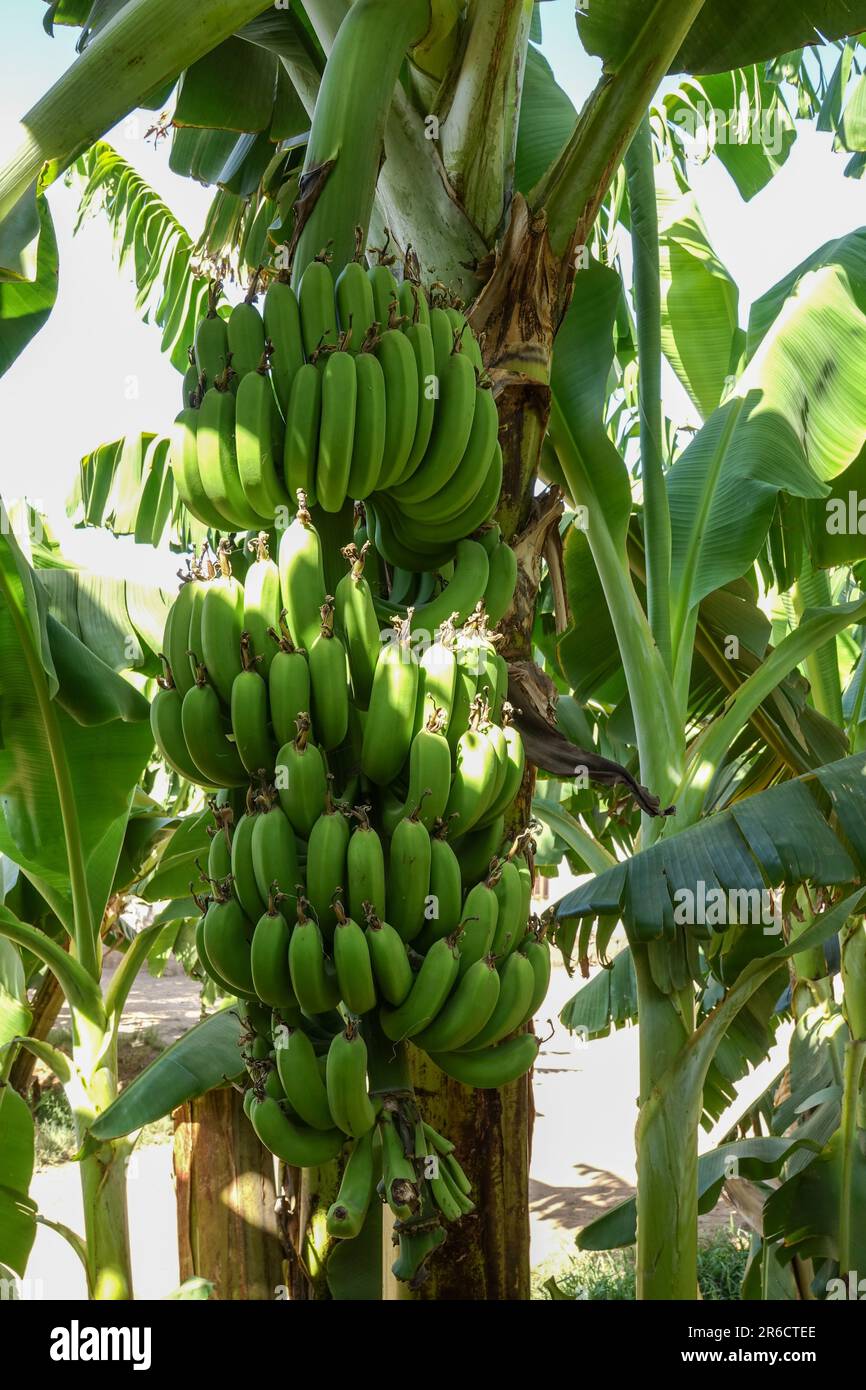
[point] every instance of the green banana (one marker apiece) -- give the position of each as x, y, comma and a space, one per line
452, 426
443, 338
211, 346
436, 1143
445, 1200
222, 623
465, 1012
480, 915
432, 986
496, 735
491, 1067
259, 445
269, 958
391, 716
318, 309
414, 1250
227, 942
302, 578
437, 673
476, 850
501, 583
420, 340
365, 866
313, 981
468, 477
262, 602
217, 459
348, 1213
283, 330
461, 595
514, 772
297, 1065
538, 954
429, 771
206, 735
301, 780
468, 341
517, 980
183, 457
399, 1179
357, 621
409, 876
391, 547
397, 360
490, 536
475, 514
336, 431
389, 958
246, 336
184, 614
295, 1144
355, 308
166, 725
249, 712
207, 964
346, 1082
289, 692
510, 921
413, 303
219, 856
475, 771
242, 871
368, 445
446, 894
329, 679
385, 291
353, 965
326, 864
303, 423
274, 855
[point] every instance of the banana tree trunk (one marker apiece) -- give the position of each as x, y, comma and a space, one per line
226, 1200
486, 1255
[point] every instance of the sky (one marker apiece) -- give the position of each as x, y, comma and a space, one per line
95, 372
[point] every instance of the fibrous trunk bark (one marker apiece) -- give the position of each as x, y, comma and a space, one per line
226, 1200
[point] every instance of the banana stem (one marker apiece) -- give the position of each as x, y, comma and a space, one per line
640, 175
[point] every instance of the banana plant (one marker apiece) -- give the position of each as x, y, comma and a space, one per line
502, 212
76, 741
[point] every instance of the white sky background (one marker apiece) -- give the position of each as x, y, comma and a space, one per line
95, 372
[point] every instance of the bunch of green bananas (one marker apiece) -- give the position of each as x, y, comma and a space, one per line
358, 874
347, 390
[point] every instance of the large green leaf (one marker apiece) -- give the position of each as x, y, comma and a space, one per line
17, 1212
847, 253
699, 298
796, 420
727, 33
207, 1056
231, 88
27, 300
149, 237
547, 119
758, 1159
810, 829
128, 488
740, 117
46, 754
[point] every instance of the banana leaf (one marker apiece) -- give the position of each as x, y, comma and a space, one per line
207, 1056
17, 1211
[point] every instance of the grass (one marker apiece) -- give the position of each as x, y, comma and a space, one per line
609, 1275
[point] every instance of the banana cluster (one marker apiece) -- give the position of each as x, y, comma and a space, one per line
358, 866
354, 389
